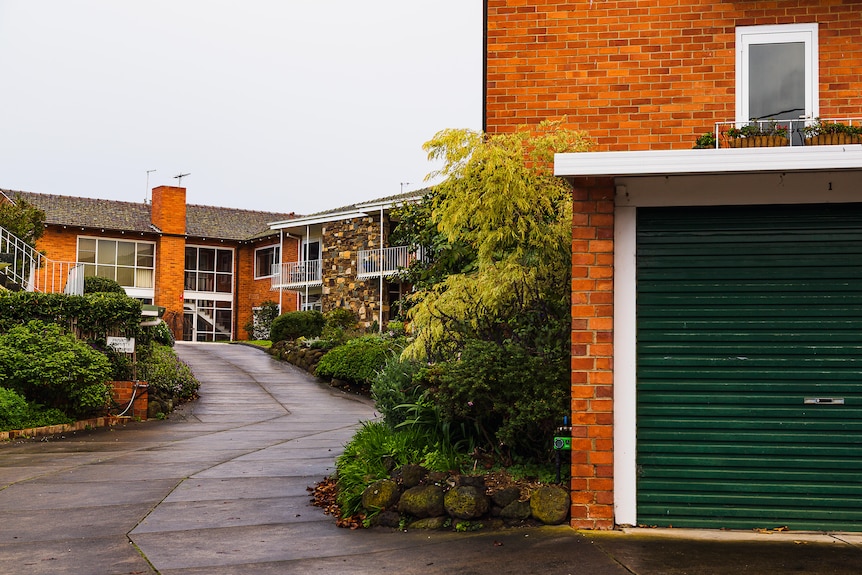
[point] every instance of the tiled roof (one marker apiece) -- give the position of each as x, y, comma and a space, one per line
201, 221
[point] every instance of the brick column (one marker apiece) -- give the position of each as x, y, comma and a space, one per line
169, 216
592, 354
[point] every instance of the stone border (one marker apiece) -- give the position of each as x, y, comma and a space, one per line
107, 421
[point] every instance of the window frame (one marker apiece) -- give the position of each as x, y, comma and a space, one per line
276, 259
101, 260
777, 34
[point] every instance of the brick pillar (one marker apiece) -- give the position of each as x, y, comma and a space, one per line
592, 354
169, 216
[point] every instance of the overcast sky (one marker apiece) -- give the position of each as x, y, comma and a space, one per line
277, 105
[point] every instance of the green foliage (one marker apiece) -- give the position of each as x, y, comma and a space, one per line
373, 452
52, 368
295, 324
161, 333
758, 128
705, 141
23, 220
260, 325
17, 413
94, 284
93, 315
516, 399
826, 127
396, 385
168, 377
341, 317
359, 359
501, 201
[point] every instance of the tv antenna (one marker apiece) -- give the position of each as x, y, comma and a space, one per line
179, 178
404, 184
147, 191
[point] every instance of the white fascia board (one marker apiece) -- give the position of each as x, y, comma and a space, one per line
388, 204
315, 220
709, 161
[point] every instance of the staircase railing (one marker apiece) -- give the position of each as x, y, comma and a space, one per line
22, 268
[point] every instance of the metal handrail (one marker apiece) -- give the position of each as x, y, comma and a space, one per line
793, 130
385, 261
28, 270
296, 274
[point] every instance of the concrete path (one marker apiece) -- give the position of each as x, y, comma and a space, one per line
221, 488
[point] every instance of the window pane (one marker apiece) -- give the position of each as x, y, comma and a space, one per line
191, 280
206, 259
223, 283
777, 81
126, 276
206, 282
191, 258
146, 255
125, 253
313, 251
144, 278
225, 261
106, 272
87, 250
107, 252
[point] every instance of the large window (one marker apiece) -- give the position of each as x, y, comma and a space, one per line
209, 269
130, 264
776, 72
264, 260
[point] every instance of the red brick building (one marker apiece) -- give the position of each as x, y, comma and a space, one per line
715, 296
209, 267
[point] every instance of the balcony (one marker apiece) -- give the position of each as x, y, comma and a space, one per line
781, 133
22, 268
292, 275
384, 262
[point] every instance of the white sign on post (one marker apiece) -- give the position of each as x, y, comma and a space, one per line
122, 344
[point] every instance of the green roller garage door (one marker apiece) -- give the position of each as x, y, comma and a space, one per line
749, 369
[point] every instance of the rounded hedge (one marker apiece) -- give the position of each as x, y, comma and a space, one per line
294, 324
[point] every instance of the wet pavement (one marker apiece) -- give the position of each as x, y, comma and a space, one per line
222, 488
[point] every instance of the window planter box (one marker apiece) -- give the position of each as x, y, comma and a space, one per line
833, 139
758, 142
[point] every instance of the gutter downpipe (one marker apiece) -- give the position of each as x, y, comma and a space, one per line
380, 309
280, 270
305, 258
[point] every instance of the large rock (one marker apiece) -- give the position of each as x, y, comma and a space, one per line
422, 501
506, 496
381, 494
410, 475
518, 510
429, 523
550, 504
466, 502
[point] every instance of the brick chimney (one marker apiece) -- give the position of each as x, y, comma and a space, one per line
168, 214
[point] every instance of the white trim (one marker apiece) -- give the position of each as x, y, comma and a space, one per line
316, 220
784, 33
724, 160
276, 261
625, 365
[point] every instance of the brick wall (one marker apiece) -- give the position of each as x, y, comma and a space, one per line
250, 293
121, 394
654, 74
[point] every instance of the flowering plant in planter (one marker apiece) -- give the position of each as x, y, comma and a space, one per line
830, 133
757, 134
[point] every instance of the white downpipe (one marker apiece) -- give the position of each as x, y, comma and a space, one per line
380, 247
280, 270
305, 259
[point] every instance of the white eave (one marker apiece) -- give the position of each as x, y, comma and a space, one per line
709, 161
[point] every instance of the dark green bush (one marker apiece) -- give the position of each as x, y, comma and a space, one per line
93, 314
359, 359
162, 334
52, 368
17, 413
341, 317
167, 376
93, 284
294, 324
517, 399
395, 385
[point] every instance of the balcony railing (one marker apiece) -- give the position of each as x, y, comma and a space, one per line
385, 262
774, 133
23, 268
296, 274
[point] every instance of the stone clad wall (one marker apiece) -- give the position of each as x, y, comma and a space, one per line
341, 288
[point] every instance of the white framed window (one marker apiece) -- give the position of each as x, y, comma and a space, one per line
209, 269
264, 261
777, 72
131, 264
310, 250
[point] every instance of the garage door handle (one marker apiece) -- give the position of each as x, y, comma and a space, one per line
823, 401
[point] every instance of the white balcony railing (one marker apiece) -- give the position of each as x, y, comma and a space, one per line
296, 274
385, 262
24, 268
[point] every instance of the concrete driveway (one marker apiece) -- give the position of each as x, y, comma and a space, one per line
221, 488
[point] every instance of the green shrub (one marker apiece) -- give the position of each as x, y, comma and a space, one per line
54, 369
167, 376
93, 314
376, 449
359, 359
294, 324
161, 333
515, 398
341, 317
393, 386
17, 413
93, 284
